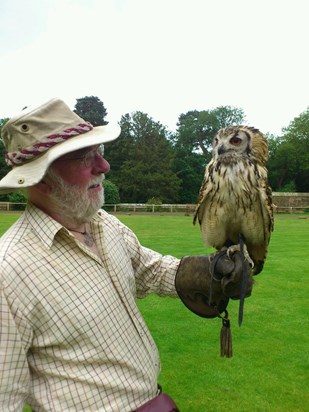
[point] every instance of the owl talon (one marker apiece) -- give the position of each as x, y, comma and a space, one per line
236, 248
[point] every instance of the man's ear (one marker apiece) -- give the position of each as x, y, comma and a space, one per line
43, 188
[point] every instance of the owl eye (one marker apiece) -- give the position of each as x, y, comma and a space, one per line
235, 141
215, 141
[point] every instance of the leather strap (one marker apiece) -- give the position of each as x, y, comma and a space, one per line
161, 403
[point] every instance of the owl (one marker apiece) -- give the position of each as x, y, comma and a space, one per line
235, 198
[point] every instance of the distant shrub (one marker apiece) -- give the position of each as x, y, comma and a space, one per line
17, 197
154, 201
289, 187
111, 192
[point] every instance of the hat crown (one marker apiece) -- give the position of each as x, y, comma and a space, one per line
31, 126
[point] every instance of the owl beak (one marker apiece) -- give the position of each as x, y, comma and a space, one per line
221, 149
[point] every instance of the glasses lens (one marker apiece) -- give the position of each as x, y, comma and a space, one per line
101, 150
90, 156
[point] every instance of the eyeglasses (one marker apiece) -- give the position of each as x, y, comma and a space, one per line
87, 159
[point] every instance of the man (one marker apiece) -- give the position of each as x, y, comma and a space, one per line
72, 337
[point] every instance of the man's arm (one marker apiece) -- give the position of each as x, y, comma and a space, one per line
154, 273
14, 375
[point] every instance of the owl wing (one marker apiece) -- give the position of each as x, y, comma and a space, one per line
210, 211
268, 212
205, 189
258, 247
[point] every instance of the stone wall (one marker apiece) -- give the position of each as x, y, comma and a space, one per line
291, 202
284, 202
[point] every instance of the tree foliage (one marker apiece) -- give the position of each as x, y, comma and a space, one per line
111, 192
91, 109
18, 197
196, 129
149, 162
142, 160
289, 156
189, 167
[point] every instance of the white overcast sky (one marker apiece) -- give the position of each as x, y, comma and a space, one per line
162, 57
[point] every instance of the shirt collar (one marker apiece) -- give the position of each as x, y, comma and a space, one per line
43, 225
46, 227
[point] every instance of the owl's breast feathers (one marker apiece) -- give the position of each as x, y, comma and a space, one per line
235, 198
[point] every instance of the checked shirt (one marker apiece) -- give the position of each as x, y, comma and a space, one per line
72, 337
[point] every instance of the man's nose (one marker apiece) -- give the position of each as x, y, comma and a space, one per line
101, 165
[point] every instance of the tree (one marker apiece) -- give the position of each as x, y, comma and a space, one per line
121, 149
189, 168
297, 137
281, 164
198, 128
142, 161
91, 109
289, 156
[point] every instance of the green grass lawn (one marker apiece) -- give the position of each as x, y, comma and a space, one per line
269, 370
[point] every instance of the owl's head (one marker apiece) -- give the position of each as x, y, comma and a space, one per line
241, 140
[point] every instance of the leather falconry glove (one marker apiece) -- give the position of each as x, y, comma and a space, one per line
206, 283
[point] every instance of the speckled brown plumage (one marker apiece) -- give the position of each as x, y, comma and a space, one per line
235, 197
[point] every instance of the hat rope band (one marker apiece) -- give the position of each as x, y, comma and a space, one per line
28, 153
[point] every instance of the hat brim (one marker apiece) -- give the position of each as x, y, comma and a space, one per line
33, 171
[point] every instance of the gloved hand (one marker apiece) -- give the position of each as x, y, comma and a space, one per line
206, 283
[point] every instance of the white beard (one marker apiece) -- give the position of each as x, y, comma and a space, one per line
73, 203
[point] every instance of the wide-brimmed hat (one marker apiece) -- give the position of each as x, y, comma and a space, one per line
36, 137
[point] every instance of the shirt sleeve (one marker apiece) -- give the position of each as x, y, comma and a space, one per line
154, 273
14, 375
